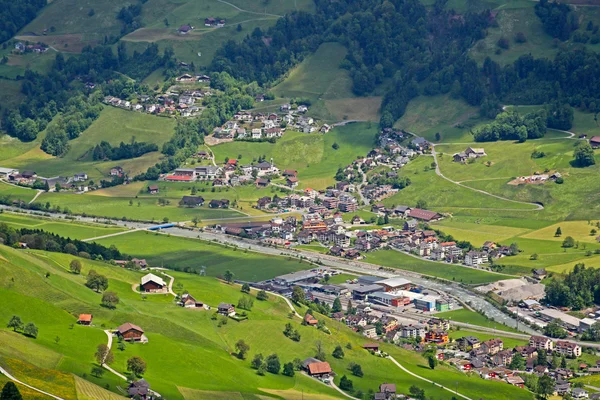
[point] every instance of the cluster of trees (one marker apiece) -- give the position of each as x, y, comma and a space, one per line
510, 125
291, 333
96, 282
15, 14
557, 18
41, 240
579, 289
17, 324
397, 182
53, 92
78, 114
131, 16
105, 151
583, 156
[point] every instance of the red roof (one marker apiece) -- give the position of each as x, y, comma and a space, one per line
85, 317
595, 139
126, 327
232, 161
178, 178
319, 368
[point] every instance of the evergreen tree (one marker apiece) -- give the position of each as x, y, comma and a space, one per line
10, 391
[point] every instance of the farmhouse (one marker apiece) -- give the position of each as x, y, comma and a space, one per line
595, 142
153, 189
192, 201
152, 284
310, 320
423, 215
184, 29
226, 309
223, 203
187, 301
139, 388
319, 369
5, 172
85, 319
129, 331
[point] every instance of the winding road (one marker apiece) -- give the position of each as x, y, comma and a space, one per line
12, 378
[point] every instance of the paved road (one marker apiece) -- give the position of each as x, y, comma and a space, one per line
12, 378
427, 380
109, 344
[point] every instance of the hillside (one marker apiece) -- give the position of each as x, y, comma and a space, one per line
182, 342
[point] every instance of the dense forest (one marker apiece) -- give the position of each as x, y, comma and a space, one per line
579, 289
558, 19
15, 14
50, 94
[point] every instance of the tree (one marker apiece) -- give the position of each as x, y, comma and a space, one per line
554, 330
30, 330
273, 364
288, 369
335, 146
357, 370
242, 348
417, 392
319, 351
534, 256
421, 204
104, 355
75, 266
262, 369
518, 362
257, 361
121, 346
245, 288
262, 295
514, 249
15, 323
568, 242
195, 220
298, 295
228, 275
563, 362
10, 391
96, 281
542, 358
136, 365
338, 352
337, 305
558, 232
346, 384
432, 361
97, 371
545, 387
110, 300
583, 156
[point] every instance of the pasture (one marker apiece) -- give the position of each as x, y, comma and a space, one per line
471, 317
312, 155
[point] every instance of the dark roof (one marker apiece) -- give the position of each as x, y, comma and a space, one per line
140, 387
423, 214
192, 200
126, 327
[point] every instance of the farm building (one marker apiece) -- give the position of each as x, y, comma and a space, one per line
85, 319
317, 368
187, 301
226, 309
152, 283
129, 331
139, 388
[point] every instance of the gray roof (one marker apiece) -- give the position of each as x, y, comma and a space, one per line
367, 289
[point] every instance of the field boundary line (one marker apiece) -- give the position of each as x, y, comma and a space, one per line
113, 234
12, 378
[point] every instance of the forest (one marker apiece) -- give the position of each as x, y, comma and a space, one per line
105, 151
579, 289
15, 14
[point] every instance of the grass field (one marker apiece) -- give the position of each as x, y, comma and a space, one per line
508, 341
320, 79
471, 317
114, 126
311, 154
178, 252
16, 192
184, 343
67, 228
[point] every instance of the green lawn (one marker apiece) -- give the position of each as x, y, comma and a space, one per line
16, 192
311, 154
471, 317
509, 342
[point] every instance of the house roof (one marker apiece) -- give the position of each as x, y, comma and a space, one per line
423, 214
153, 278
126, 327
320, 367
85, 317
225, 306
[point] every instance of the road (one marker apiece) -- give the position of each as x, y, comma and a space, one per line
427, 380
249, 12
12, 378
109, 344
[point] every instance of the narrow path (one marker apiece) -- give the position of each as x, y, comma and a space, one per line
289, 303
170, 287
333, 385
12, 378
539, 207
249, 12
212, 155
109, 344
426, 380
360, 187
36, 196
112, 234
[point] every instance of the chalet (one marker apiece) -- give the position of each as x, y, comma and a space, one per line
539, 274
153, 189
473, 152
595, 142
139, 389
184, 29
129, 331
80, 177
188, 301
192, 201
184, 78
460, 157
421, 144
262, 182
310, 320
516, 381
203, 154
29, 174
226, 309
210, 22
320, 369
85, 319
223, 203
371, 346
152, 284
291, 182
290, 173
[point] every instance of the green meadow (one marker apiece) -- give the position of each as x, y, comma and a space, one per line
312, 155
185, 343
